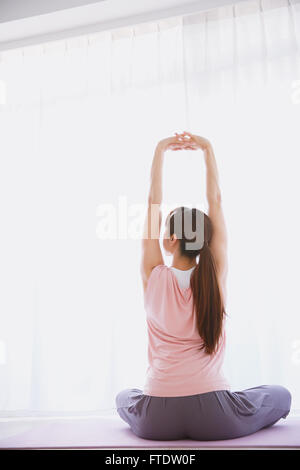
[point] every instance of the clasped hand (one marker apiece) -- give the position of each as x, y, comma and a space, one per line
184, 141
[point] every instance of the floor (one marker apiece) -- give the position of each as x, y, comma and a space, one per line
110, 432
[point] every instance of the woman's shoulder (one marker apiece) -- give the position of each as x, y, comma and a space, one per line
160, 268
156, 271
155, 280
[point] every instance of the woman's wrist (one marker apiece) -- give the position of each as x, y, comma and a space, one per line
161, 147
208, 149
206, 146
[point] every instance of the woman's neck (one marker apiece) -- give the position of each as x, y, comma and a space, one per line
183, 263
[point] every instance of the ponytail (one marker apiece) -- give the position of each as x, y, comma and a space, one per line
207, 301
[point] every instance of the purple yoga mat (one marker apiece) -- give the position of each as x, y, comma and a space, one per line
113, 432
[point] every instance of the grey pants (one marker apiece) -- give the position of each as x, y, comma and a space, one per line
207, 416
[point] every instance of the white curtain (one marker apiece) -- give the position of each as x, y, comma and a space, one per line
79, 122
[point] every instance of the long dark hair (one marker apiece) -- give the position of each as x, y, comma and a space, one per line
207, 300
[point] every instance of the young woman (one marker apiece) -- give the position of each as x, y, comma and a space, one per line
186, 395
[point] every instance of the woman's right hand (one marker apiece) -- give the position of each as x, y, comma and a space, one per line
194, 140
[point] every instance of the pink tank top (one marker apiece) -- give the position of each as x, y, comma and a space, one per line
176, 367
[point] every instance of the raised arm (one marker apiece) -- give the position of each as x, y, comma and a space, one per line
219, 241
151, 252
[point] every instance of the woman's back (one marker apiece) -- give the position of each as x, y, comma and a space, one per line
177, 367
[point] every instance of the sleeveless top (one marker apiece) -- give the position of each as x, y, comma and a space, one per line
183, 276
176, 367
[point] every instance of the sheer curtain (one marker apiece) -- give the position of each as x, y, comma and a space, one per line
79, 122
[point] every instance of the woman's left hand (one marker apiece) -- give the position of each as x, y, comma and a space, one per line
177, 142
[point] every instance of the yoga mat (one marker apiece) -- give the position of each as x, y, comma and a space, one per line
112, 432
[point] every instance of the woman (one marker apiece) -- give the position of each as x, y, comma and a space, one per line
186, 395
